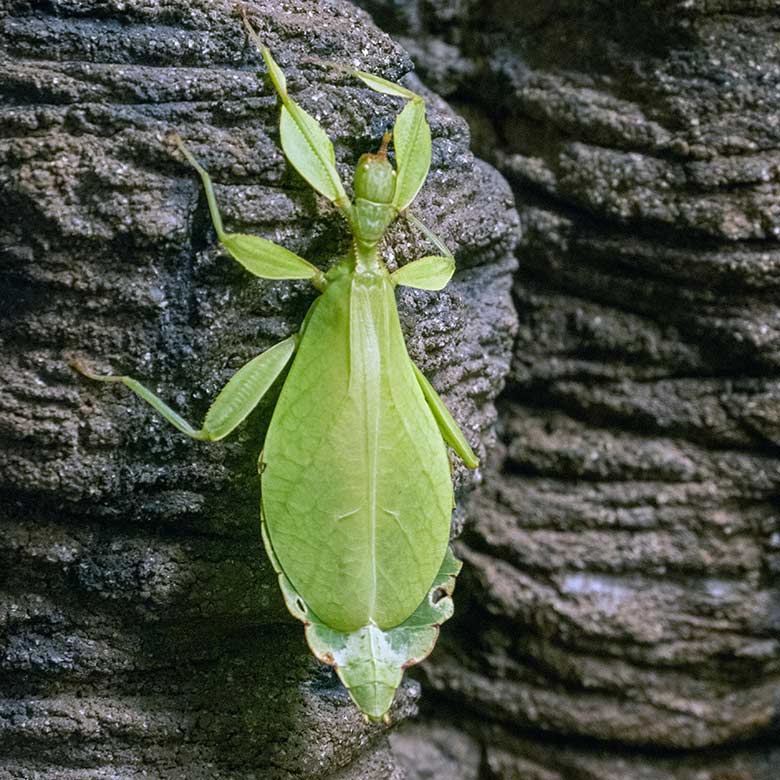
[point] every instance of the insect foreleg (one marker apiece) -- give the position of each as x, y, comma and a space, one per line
233, 404
304, 142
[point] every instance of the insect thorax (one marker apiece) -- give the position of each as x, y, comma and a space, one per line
373, 210
370, 220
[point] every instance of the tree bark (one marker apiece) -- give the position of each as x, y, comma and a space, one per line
623, 552
142, 633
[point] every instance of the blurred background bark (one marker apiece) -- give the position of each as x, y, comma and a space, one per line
624, 551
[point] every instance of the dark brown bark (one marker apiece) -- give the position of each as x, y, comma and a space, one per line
142, 633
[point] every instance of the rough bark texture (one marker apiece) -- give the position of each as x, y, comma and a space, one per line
142, 633
624, 551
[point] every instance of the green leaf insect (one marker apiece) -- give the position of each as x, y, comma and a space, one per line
356, 482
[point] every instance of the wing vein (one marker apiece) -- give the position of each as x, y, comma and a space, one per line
366, 353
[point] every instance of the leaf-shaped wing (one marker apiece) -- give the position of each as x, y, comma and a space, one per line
357, 489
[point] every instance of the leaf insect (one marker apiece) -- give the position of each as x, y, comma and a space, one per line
356, 483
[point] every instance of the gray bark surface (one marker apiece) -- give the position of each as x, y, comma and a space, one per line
624, 550
142, 633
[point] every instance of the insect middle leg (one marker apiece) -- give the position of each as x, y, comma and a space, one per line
259, 256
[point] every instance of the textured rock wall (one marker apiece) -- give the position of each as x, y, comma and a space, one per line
141, 629
625, 550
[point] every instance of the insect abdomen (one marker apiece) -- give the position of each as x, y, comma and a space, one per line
356, 487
